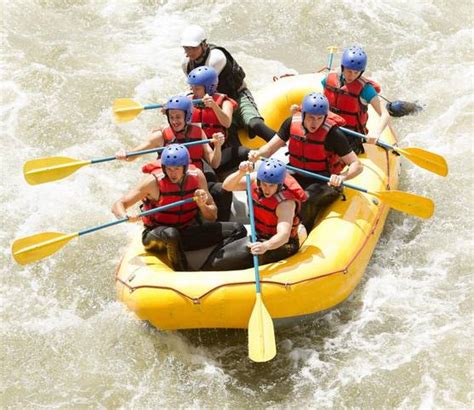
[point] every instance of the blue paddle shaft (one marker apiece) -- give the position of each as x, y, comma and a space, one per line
148, 151
330, 58
253, 234
145, 213
153, 106
359, 135
323, 178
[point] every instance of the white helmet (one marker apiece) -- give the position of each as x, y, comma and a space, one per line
193, 36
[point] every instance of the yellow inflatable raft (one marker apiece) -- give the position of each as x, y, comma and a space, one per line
325, 271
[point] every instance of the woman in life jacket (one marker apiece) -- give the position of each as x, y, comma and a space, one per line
315, 144
349, 94
215, 115
277, 199
187, 227
178, 110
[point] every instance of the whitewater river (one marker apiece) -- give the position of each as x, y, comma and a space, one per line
402, 340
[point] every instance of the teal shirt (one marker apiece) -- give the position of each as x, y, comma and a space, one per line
368, 92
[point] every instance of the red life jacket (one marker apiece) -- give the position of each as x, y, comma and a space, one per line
207, 119
178, 217
345, 100
307, 150
190, 133
265, 208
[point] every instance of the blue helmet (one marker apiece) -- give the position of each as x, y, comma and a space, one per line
354, 58
175, 155
205, 76
183, 103
272, 171
316, 104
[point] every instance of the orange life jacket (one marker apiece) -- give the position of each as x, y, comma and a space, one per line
190, 133
345, 100
178, 217
307, 150
265, 208
206, 118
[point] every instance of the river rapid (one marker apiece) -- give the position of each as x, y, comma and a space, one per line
400, 341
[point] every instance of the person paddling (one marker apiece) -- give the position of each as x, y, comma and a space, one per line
199, 53
215, 115
349, 94
178, 110
315, 144
180, 129
277, 199
189, 227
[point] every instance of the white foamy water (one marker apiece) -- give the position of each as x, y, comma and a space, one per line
402, 340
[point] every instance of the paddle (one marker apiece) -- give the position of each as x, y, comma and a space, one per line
395, 108
35, 247
125, 109
401, 201
42, 170
332, 50
261, 335
423, 158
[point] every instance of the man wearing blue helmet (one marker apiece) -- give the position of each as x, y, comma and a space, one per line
215, 115
349, 95
189, 227
315, 144
199, 53
277, 199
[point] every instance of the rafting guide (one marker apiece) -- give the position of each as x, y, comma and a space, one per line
231, 78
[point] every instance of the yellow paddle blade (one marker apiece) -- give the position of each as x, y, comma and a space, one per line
41, 170
125, 109
425, 159
406, 202
35, 247
262, 347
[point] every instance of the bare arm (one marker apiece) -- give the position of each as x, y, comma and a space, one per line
268, 149
285, 212
155, 140
146, 187
224, 114
355, 168
214, 156
237, 181
204, 199
380, 109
